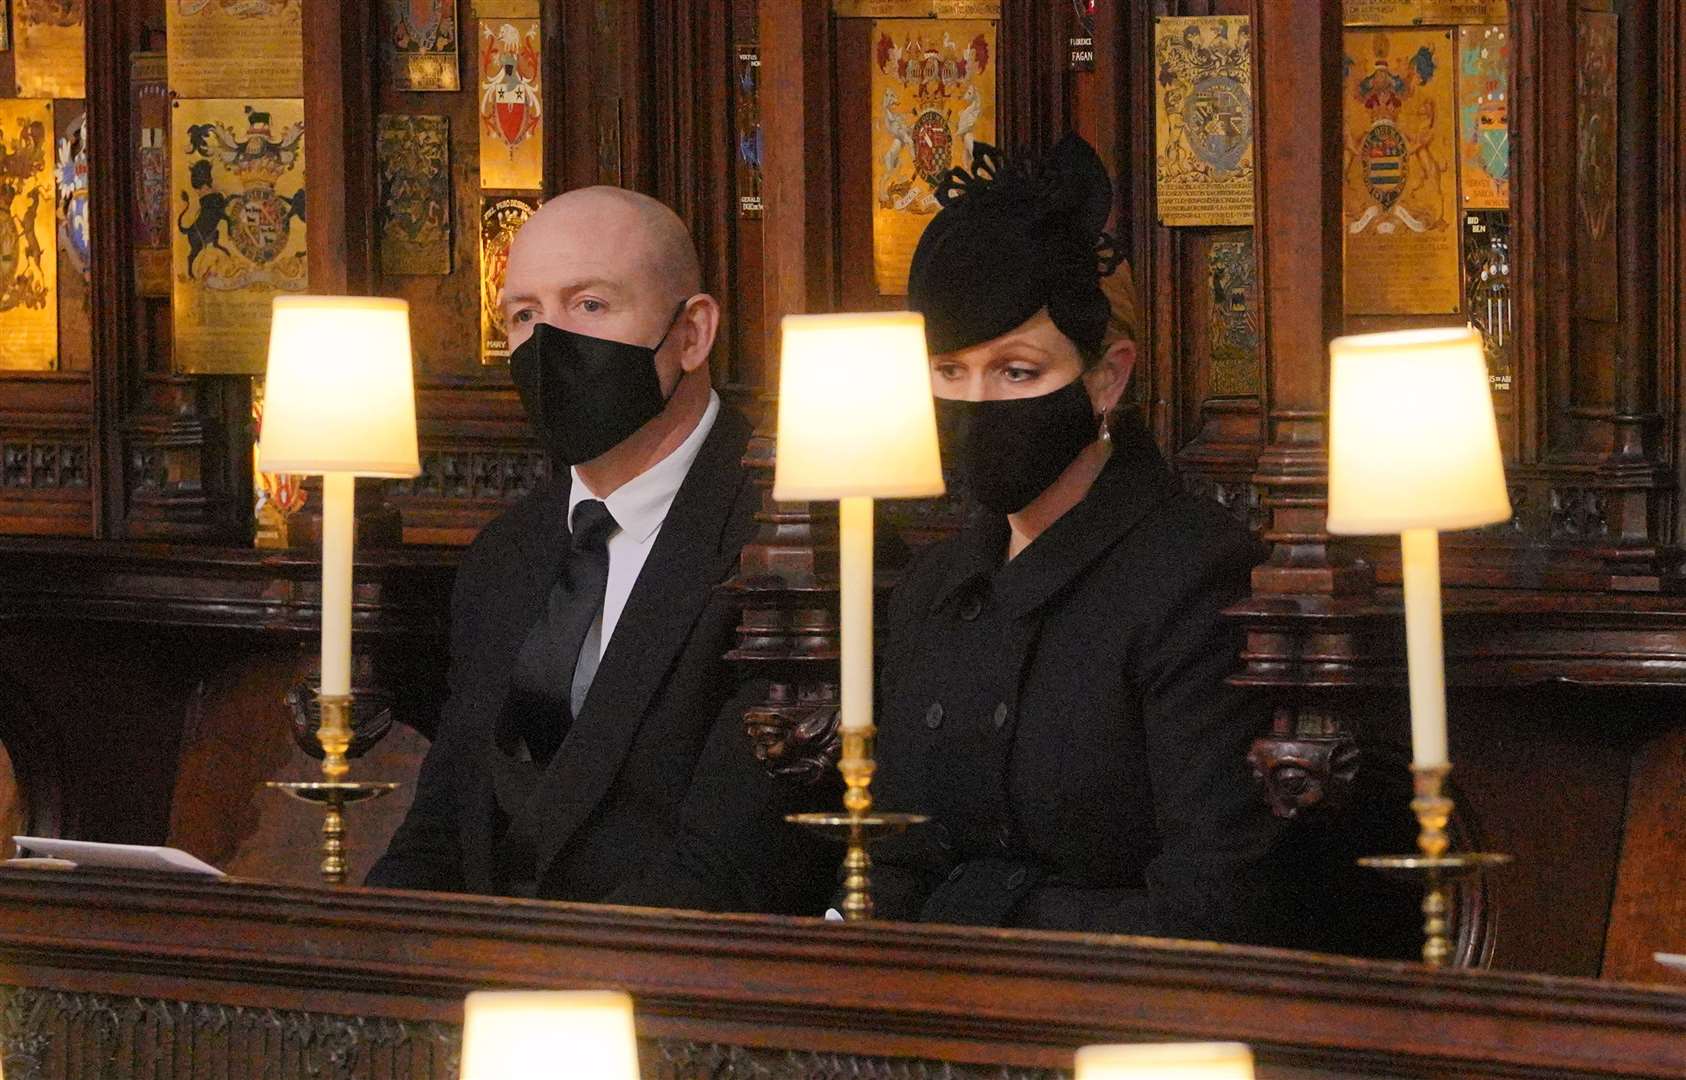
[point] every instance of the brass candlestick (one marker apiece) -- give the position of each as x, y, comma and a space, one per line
858, 827
1437, 869
333, 792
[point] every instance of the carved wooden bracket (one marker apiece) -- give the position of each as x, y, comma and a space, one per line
795, 732
1304, 764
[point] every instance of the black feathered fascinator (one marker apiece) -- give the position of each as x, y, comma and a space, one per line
1011, 239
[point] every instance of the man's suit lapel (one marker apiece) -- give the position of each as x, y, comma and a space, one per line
543, 541
683, 569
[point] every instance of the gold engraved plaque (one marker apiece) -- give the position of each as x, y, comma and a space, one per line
500, 219
1484, 116
421, 44
235, 48
50, 54
29, 295
1203, 107
1424, 12
1399, 190
237, 170
916, 9
933, 98
511, 106
415, 168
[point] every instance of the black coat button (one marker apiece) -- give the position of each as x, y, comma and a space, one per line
1016, 879
1001, 714
1004, 837
940, 832
954, 875
971, 607
934, 716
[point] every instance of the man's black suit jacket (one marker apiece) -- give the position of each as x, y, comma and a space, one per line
655, 797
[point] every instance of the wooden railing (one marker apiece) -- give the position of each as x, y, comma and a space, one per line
145, 976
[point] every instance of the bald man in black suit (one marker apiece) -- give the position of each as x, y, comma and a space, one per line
592, 746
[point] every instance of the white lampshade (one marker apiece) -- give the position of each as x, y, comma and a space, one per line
1166, 1061
1412, 439
339, 395
855, 412
528, 1035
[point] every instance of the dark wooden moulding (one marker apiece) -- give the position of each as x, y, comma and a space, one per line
118, 977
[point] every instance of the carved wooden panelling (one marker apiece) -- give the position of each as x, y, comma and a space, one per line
503, 475
72, 1035
43, 462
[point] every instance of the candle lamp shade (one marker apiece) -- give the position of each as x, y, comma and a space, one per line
855, 411
339, 394
1413, 443
529, 1035
1166, 1061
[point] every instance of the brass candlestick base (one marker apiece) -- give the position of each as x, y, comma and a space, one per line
1437, 869
858, 827
334, 796
334, 792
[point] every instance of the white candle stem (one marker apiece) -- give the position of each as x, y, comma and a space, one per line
339, 499
854, 545
1425, 651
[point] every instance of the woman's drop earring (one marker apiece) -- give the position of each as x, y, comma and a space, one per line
1106, 428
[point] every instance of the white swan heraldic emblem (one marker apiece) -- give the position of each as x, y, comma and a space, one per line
258, 220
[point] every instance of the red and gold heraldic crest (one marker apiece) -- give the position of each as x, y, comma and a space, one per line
933, 97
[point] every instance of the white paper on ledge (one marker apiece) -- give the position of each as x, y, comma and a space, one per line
1672, 960
86, 853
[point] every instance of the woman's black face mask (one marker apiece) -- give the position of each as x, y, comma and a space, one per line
584, 395
1009, 450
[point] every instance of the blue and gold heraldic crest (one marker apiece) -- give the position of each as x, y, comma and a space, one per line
237, 238
1218, 115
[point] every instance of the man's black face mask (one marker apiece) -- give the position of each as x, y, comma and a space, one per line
1011, 449
584, 395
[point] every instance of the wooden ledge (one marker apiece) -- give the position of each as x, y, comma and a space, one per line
399, 590
961, 994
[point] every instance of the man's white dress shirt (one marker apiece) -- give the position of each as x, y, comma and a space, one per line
639, 507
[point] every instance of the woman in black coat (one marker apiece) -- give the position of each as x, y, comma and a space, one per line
1053, 680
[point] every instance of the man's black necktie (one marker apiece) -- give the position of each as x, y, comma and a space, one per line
544, 669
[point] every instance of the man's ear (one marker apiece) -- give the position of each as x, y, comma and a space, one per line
1108, 378
697, 325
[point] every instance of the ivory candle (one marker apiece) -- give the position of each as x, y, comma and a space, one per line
1166, 1061
339, 496
1424, 649
855, 609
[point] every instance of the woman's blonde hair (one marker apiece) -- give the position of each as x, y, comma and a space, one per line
1120, 290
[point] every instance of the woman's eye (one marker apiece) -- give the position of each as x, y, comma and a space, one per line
1020, 374
948, 371
524, 316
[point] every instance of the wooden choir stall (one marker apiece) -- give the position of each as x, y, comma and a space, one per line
168, 166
